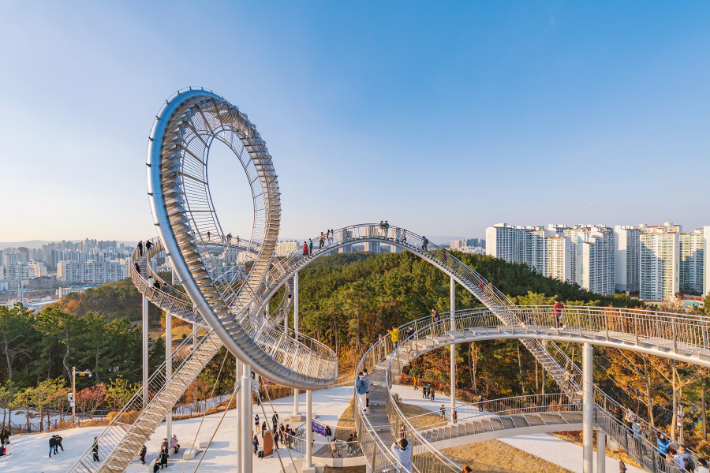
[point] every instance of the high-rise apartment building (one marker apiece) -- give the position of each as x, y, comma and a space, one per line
91, 272
284, 248
582, 254
692, 262
594, 259
628, 252
659, 268
512, 243
558, 258
544, 251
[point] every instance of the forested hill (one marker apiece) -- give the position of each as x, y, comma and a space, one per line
392, 289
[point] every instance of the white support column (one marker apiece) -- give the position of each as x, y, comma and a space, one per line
238, 411
452, 361
587, 409
245, 420
295, 334
309, 428
169, 369
145, 352
601, 451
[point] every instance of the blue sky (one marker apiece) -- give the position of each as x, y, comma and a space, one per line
443, 118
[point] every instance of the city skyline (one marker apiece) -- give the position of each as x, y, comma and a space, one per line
464, 115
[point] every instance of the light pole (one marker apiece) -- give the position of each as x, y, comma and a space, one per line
74, 372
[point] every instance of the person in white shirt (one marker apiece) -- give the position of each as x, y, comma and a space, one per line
403, 452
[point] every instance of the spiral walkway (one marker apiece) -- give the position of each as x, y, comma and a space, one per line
226, 289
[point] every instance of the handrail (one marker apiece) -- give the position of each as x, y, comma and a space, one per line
115, 431
484, 319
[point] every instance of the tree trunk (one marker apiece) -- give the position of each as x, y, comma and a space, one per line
537, 381
7, 357
96, 365
66, 355
649, 401
705, 417
470, 367
674, 419
520, 370
358, 332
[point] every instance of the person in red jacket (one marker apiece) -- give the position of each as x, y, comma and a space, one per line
305, 249
557, 312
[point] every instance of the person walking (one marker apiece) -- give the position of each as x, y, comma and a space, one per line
263, 429
144, 450
394, 336
410, 332
630, 418
95, 449
662, 443
310, 245
435, 319
321, 241
209, 235
52, 446
229, 238
156, 465
59, 444
431, 394
305, 249
140, 248
276, 438
328, 433
442, 412
366, 377
257, 424
425, 243
557, 312
387, 229
403, 452
138, 268
163, 457
350, 450
455, 416
361, 389
148, 245
443, 255
334, 448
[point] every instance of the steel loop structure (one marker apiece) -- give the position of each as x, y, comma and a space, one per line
226, 288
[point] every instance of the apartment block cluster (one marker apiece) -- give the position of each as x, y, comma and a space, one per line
476, 246
657, 263
64, 263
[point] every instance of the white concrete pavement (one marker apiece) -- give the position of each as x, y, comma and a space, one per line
545, 446
30, 453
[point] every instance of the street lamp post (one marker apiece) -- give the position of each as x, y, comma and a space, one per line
74, 372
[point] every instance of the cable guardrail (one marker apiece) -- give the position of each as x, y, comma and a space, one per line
430, 335
115, 433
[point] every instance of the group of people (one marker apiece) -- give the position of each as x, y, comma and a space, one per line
55, 442
5, 442
279, 432
428, 393
677, 455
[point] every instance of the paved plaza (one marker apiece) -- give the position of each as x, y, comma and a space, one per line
30, 451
